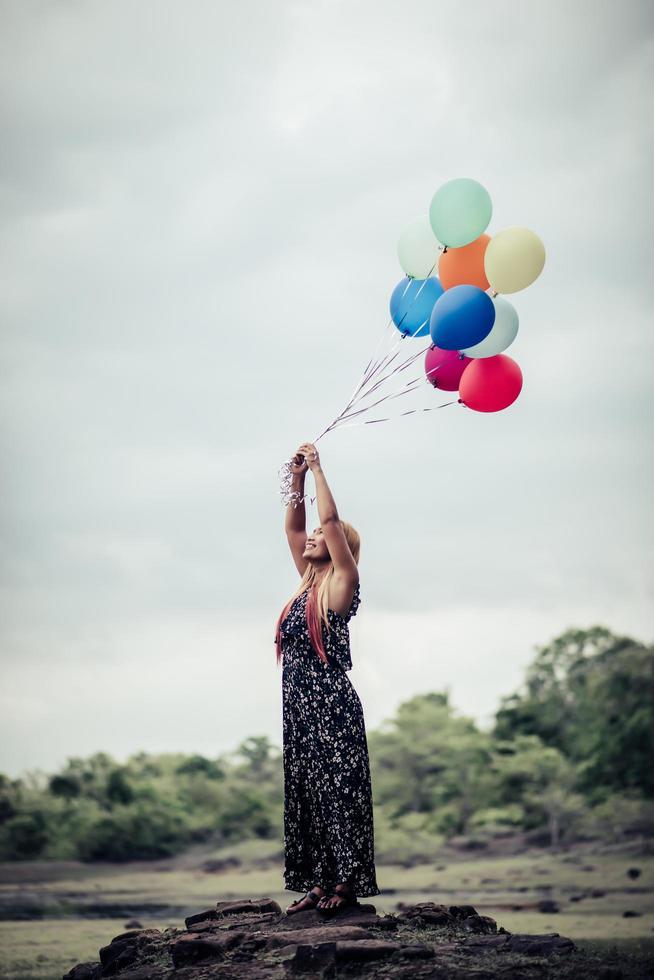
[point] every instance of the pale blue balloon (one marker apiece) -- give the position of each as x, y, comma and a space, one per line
503, 332
460, 211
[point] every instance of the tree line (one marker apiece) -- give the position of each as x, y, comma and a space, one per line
568, 758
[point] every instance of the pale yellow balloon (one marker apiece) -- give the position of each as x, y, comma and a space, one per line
513, 259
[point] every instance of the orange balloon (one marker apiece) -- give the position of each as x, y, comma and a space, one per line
464, 266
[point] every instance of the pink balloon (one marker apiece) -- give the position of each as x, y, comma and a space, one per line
445, 367
490, 384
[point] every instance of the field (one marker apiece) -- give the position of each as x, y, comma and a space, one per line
57, 914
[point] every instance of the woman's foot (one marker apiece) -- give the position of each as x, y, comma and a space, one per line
342, 895
308, 901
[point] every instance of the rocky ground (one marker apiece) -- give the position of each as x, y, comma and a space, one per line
255, 939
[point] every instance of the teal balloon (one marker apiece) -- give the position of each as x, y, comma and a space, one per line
460, 211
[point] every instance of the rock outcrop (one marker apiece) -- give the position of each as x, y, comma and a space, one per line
255, 939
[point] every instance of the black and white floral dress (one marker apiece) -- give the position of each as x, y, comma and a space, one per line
328, 822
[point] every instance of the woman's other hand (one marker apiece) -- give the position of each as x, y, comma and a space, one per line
311, 455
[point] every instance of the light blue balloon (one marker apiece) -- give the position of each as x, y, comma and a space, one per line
463, 316
460, 211
411, 304
503, 332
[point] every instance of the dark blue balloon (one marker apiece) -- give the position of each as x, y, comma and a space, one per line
462, 317
412, 302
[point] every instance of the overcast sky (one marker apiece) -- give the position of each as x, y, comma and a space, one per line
201, 205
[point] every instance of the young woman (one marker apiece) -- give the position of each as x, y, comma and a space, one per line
328, 822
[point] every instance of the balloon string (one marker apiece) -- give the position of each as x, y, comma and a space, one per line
366, 375
293, 496
386, 362
351, 403
363, 378
369, 372
402, 391
389, 359
409, 386
432, 408
388, 395
372, 367
398, 368
404, 315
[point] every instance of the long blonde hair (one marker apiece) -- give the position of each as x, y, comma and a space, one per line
318, 598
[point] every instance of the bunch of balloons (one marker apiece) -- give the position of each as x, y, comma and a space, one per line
461, 308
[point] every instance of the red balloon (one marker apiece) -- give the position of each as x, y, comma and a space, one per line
490, 384
445, 367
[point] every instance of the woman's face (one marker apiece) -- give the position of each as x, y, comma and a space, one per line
316, 547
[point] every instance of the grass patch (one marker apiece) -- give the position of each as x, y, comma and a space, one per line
506, 888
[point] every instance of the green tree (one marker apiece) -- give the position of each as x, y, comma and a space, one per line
428, 760
259, 754
8, 802
541, 780
118, 788
65, 786
200, 765
92, 775
613, 734
590, 694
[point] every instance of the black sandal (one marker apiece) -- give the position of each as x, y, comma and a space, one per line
313, 897
348, 899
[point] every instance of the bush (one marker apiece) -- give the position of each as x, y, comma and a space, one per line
23, 837
133, 833
498, 819
245, 815
620, 817
445, 820
404, 840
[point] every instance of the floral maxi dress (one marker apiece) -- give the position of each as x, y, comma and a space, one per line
328, 822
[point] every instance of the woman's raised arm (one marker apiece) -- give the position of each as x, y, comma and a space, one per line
345, 567
296, 518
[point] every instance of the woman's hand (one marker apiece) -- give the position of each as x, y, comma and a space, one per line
298, 464
310, 453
